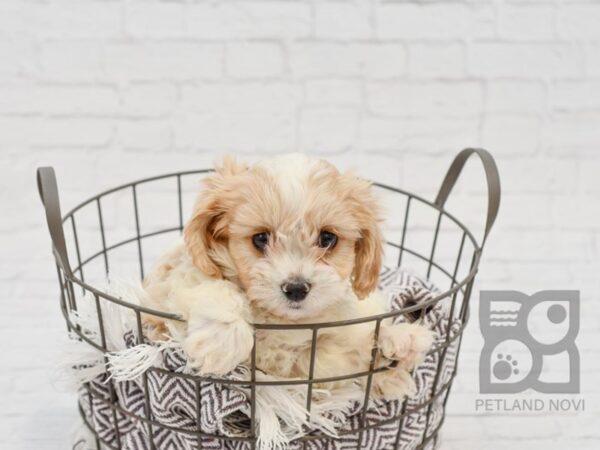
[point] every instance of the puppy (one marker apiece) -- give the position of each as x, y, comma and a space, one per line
288, 240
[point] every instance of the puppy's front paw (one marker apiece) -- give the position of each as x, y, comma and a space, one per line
393, 384
218, 348
406, 343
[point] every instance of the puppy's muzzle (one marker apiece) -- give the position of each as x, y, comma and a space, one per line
296, 289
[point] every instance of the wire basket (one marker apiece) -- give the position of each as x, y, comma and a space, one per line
86, 236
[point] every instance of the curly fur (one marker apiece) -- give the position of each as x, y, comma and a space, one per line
220, 283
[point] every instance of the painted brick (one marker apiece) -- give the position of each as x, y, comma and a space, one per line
162, 60
72, 60
515, 96
417, 136
333, 91
433, 60
254, 60
149, 99
511, 134
327, 129
155, 19
142, 135
527, 22
75, 133
81, 20
572, 134
59, 99
245, 97
418, 99
499, 59
433, 21
579, 21
351, 20
10, 59
249, 20
576, 96
319, 59
592, 59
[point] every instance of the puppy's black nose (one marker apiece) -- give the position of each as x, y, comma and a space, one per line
295, 290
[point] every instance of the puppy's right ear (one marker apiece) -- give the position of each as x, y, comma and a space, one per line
207, 228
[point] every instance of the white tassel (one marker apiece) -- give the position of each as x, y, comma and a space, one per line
270, 433
280, 417
131, 363
281, 413
79, 364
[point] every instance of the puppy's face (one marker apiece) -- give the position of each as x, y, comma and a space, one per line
297, 235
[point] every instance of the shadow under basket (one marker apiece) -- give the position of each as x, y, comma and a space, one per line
115, 232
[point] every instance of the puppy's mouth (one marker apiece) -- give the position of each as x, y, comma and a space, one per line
294, 305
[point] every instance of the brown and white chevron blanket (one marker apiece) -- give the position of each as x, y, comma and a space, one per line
225, 410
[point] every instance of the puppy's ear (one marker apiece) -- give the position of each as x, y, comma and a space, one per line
369, 252
369, 247
207, 228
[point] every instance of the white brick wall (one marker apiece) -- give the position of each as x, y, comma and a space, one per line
109, 90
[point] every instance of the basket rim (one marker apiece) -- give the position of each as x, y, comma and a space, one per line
457, 285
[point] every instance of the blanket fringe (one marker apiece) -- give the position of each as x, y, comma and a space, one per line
133, 362
281, 414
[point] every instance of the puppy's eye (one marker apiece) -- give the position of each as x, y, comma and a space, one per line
327, 240
260, 241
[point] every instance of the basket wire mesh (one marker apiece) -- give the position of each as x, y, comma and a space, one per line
88, 219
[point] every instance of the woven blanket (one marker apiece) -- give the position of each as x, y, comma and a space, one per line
225, 409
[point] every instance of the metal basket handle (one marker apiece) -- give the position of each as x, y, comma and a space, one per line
46, 181
493, 183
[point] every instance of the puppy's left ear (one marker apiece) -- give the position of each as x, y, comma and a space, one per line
205, 234
369, 247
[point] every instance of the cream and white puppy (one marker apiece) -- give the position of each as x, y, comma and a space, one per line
287, 240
